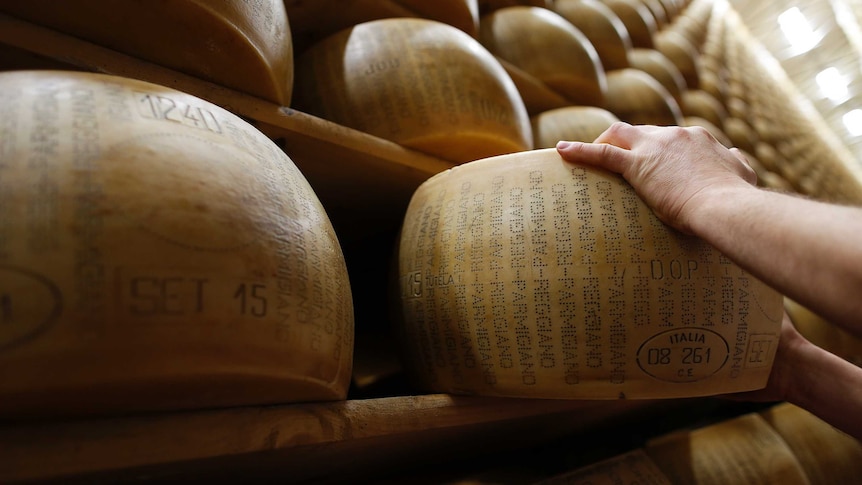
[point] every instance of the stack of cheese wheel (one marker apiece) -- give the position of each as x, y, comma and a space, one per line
745, 449
549, 48
634, 467
827, 455
602, 27
246, 46
158, 252
661, 69
420, 83
681, 53
523, 275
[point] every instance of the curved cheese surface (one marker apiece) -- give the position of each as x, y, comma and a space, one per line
638, 98
602, 26
242, 45
419, 83
158, 252
522, 275
575, 123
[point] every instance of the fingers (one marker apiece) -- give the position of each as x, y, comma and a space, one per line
602, 155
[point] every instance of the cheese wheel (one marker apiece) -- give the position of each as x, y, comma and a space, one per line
824, 333
158, 252
713, 84
637, 98
680, 51
523, 275
638, 20
658, 12
242, 45
420, 83
634, 467
546, 46
700, 104
602, 27
827, 455
741, 133
575, 123
659, 67
745, 449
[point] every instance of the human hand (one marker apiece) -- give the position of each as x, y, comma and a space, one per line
673, 169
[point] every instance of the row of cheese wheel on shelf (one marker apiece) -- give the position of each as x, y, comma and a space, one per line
159, 253
783, 444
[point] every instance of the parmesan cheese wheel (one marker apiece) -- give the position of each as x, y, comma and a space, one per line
824, 333
575, 123
420, 83
741, 450
741, 133
524, 275
602, 27
680, 51
827, 455
699, 103
638, 20
158, 252
634, 467
637, 98
659, 67
549, 48
242, 45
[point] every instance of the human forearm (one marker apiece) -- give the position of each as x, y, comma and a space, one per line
810, 251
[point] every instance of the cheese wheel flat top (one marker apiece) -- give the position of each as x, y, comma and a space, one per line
602, 27
574, 123
419, 83
242, 45
547, 46
158, 252
523, 275
638, 98
745, 449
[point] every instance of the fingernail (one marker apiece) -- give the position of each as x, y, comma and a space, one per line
562, 145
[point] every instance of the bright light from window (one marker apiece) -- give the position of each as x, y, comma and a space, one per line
853, 122
832, 84
797, 30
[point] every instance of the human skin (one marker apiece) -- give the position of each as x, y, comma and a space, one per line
808, 250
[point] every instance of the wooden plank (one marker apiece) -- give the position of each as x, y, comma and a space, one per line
303, 441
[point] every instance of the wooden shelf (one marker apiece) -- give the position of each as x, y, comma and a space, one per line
305, 442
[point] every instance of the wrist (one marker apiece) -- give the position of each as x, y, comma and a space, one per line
713, 211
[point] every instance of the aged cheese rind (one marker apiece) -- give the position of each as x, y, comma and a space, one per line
158, 252
601, 25
574, 123
548, 47
745, 449
638, 98
242, 45
522, 275
419, 83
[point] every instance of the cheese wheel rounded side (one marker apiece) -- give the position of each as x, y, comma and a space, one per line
638, 19
682, 53
420, 83
158, 253
574, 123
525, 276
699, 103
827, 455
661, 68
602, 27
241, 45
745, 449
638, 98
548, 47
